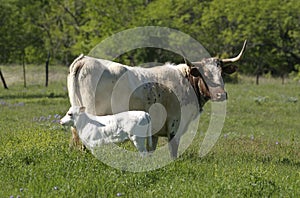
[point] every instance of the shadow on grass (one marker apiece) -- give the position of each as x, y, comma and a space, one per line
34, 92
34, 96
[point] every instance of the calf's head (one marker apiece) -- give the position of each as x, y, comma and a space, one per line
206, 76
70, 117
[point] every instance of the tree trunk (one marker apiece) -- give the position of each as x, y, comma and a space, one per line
131, 58
282, 79
258, 72
257, 79
3, 80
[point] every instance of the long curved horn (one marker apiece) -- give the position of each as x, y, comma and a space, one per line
231, 60
187, 62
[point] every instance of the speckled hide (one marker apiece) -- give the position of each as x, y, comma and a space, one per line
173, 94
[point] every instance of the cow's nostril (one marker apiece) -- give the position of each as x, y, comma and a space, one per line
221, 96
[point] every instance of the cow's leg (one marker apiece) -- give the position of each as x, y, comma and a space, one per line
173, 146
75, 142
75, 137
173, 125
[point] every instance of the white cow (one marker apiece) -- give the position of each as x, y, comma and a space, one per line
95, 131
105, 87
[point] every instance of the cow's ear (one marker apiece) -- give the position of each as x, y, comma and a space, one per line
229, 69
82, 109
195, 72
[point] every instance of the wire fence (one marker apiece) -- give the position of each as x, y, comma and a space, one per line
13, 75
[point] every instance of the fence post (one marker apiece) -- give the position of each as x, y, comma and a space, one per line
24, 69
47, 69
3, 80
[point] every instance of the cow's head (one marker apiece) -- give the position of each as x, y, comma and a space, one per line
206, 76
71, 115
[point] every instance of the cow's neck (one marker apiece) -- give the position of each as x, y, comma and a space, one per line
200, 89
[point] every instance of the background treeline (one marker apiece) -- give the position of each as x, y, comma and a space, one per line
30, 29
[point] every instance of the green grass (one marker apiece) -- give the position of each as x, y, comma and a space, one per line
257, 154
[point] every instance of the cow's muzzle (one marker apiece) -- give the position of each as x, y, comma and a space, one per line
220, 97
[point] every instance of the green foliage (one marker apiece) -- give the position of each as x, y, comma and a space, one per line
257, 154
297, 74
30, 29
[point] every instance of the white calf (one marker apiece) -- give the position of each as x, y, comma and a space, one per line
95, 131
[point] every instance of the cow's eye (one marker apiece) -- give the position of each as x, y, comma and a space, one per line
219, 63
70, 114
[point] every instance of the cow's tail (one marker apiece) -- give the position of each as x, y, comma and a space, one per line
149, 135
74, 95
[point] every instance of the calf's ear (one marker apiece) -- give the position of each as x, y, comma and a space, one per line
82, 109
229, 69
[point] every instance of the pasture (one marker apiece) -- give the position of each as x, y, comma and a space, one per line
257, 154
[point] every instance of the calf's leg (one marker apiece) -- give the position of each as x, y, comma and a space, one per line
154, 144
140, 144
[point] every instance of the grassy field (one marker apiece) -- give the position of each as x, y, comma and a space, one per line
257, 154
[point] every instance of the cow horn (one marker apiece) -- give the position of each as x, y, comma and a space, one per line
231, 60
187, 62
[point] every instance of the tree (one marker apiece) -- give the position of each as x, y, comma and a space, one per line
272, 28
31, 29
5, 31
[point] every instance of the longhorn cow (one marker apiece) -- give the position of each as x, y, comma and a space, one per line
105, 87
